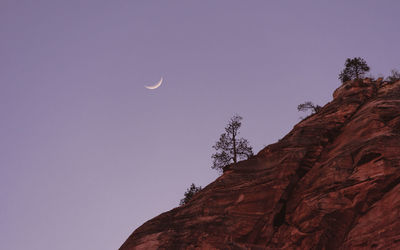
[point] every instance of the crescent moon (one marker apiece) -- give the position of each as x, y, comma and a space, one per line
158, 84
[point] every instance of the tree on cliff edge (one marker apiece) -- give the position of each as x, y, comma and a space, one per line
190, 192
230, 148
354, 69
309, 106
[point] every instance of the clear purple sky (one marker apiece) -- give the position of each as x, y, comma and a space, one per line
87, 154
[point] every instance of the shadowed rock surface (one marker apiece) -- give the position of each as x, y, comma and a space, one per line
331, 183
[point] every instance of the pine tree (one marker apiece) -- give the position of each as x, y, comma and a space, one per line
230, 148
354, 69
190, 192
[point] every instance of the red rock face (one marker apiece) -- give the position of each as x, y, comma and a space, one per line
331, 183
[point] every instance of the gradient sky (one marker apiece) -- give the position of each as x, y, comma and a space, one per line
87, 154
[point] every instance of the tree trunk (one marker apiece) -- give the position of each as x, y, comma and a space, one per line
234, 147
357, 73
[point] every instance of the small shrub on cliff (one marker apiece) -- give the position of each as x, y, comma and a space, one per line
309, 106
354, 69
394, 77
230, 148
190, 192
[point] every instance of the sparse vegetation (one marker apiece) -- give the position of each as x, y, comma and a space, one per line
230, 148
394, 77
354, 69
190, 192
309, 106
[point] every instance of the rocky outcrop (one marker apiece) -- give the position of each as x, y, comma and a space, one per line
331, 183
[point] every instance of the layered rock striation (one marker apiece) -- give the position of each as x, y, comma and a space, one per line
331, 183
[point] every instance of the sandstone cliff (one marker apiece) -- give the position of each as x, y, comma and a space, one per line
331, 183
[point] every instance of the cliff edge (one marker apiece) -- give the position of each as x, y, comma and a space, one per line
331, 183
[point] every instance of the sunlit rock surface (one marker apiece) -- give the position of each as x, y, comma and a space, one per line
331, 183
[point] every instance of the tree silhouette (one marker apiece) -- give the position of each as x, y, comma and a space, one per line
190, 192
354, 69
230, 148
309, 106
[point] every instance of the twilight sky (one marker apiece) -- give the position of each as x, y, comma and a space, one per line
87, 154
